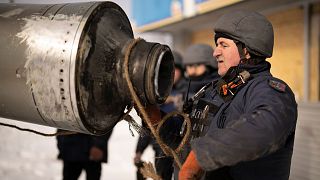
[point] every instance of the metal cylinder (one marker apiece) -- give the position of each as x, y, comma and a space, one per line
61, 65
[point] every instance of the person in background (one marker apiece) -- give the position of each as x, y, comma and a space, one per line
200, 66
174, 102
200, 69
82, 152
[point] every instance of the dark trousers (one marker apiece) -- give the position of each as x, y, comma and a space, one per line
72, 170
164, 167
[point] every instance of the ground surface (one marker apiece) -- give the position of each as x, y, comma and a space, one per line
27, 156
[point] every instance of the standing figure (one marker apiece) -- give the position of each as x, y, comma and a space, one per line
251, 115
201, 69
82, 152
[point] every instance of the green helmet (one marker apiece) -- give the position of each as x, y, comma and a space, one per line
200, 54
250, 28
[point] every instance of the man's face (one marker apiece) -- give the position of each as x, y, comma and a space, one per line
195, 70
226, 54
177, 75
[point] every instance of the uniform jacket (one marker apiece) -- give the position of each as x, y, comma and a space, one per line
250, 137
198, 82
177, 93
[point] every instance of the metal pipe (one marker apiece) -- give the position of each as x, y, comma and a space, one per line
61, 65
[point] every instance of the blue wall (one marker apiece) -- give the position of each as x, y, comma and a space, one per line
148, 11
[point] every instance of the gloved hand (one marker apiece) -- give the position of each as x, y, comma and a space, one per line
96, 154
137, 157
137, 160
154, 114
190, 168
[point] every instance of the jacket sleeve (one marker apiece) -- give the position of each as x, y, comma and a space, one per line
269, 118
143, 143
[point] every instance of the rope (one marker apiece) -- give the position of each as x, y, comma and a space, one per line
166, 149
39, 133
148, 171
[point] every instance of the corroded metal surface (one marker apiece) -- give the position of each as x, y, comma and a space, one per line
46, 38
62, 65
49, 41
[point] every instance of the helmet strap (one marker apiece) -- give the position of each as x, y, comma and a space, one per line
243, 60
241, 47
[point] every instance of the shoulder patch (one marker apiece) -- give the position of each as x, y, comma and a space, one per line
279, 86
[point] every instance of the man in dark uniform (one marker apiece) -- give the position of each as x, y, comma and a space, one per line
201, 67
250, 115
82, 152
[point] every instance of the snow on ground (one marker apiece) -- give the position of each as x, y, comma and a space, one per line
27, 156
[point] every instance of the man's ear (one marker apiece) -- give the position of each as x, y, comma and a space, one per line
246, 53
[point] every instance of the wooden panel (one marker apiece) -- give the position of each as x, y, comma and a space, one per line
213, 5
203, 36
314, 54
157, 24
287, 60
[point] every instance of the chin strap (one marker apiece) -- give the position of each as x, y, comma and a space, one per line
241, 47
243, 60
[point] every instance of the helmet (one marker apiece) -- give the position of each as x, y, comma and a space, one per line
200, 54
250, 28
177, 60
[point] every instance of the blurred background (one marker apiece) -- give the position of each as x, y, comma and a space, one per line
180, 23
